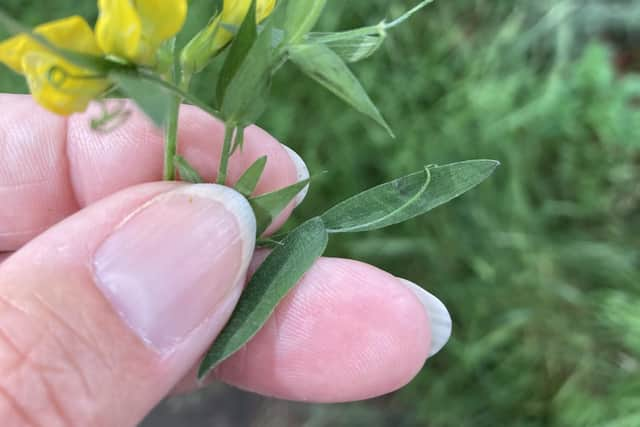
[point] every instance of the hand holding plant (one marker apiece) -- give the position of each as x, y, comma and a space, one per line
140, 50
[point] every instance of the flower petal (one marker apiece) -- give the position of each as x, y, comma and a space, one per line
119, 29
72, 33
59, 86
161, 19
12, 51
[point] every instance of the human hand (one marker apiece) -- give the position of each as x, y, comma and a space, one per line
104, 314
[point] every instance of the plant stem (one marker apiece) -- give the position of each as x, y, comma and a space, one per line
171, 139
226, 153
171, 127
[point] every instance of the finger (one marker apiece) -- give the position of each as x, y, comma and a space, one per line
348, 331
101, 315
4, 256
51, 166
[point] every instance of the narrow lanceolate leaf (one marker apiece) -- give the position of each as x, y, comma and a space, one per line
153, 99
327, 68
238, 52
407, 197
248, 182
277, 275
301, 17
246, 95
187, 172
268, 206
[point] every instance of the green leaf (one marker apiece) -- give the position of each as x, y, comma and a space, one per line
268, 206
246, 95
247, 183
349, 46
153, 99
301, 17
187, 172
277, 275
407, 197
238, 52
327, 68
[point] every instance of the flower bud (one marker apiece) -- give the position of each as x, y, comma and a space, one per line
214, 37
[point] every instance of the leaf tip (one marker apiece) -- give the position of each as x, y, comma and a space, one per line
495, 164
203, 371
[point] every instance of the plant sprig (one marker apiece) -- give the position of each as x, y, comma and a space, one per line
257, 44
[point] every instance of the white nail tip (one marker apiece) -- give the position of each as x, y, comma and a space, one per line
302, 172
438, 314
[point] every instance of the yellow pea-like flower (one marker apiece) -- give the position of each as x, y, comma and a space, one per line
134, 30
55, 83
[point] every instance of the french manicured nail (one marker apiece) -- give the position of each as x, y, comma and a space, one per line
172, 262
302, 170
438, 316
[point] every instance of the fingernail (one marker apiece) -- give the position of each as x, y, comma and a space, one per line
172, 262
302, 171
438, 316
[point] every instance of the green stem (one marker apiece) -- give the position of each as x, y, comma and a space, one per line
226, 153
171, 139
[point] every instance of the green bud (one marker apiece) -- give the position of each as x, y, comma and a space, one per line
201, 49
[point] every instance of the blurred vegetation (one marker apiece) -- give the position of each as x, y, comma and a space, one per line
540, 266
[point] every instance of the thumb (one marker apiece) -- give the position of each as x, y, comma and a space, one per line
104, 313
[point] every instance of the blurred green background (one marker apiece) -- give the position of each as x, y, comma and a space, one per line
540, 266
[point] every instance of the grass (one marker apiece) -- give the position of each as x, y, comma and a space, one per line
540, 266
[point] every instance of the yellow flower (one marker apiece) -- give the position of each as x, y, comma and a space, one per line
55, 83
134, 30
131, 30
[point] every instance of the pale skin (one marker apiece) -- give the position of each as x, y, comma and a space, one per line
349, 331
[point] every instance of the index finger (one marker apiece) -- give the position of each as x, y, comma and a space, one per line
52, 166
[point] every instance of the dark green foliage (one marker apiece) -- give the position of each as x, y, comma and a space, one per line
540, 266
271, 282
